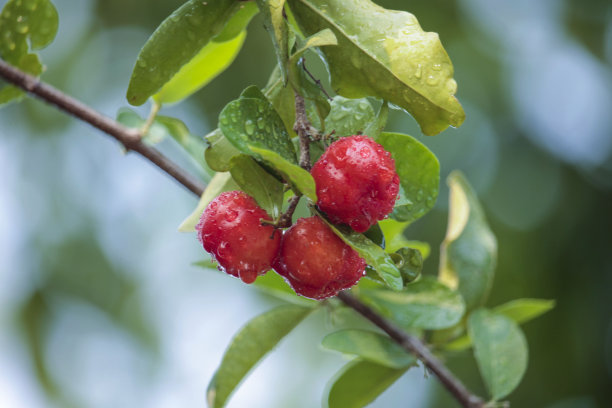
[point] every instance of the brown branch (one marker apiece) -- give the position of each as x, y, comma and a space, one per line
316, 81
285, 220
415, 346
130, 139
304, 130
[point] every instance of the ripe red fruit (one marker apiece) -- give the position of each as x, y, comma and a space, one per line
230, 230
356, 182
315, 261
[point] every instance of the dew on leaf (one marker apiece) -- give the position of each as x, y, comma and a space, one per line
249, 127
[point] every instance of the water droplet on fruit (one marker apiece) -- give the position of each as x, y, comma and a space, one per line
249, 126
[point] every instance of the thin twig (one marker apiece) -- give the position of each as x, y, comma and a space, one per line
415, 346
316, 81
131, 140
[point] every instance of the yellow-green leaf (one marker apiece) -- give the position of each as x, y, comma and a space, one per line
213, 59
385, 53
469, 251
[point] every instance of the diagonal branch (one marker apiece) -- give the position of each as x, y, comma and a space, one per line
130, 139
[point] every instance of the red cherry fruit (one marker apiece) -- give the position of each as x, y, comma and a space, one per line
356, 182
230, 230
315, 261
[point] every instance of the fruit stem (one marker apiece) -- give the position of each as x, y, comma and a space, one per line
285, 220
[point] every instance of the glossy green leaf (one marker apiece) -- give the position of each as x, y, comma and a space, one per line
385, 53
409, 261
419, 173
359, 383
251, 121
206, 263
369, 346
238, 22
518, 310
349, 116
299, 178
177, 40
469, 251
258, 183
250, 345
273, 284
220, 183
524, 310
395, 239
25, 25
375, 128
206, 65
219, 151
425, 304
374, 255
275, 24
500, 349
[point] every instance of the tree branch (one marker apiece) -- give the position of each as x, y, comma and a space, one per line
415, 346
130, 139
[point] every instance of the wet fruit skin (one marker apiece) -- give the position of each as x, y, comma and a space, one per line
356, 182
230, 230
315, 261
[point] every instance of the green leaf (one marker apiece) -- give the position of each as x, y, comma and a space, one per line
385, 53
370, 346
518, 310
238, 22
192, 144
425, 304
282, 98
258, 183
250, 345
349, 116
251, 121
273, 284
469, 251
395, 239
359, 383
297, 176
206, 65
524, 310
409, 261
220, 151
177, 40
275, 24
320, 39
374, 128
206, 263
419, 173
500, 349
25, 25
374, 255
131, 119
220, 183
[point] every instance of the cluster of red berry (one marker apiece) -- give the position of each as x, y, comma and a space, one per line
356, 184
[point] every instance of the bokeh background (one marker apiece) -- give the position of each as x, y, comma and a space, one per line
100, 305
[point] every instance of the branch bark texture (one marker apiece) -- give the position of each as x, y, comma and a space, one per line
131, 140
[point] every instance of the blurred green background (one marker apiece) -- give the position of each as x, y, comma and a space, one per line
100, 305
